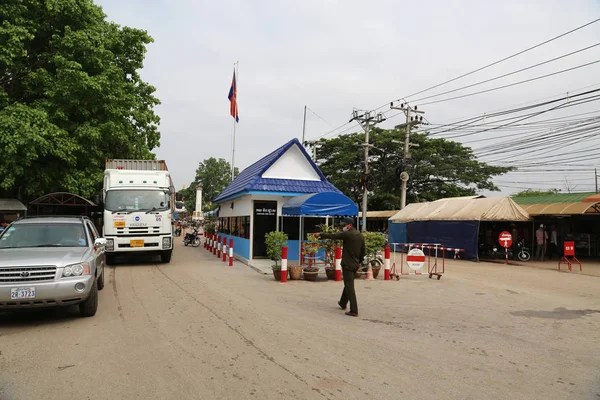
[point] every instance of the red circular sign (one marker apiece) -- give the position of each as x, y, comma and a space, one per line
505, 239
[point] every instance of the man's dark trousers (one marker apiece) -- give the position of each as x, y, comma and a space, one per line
348, 293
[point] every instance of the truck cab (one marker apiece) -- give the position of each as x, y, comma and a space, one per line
138, 210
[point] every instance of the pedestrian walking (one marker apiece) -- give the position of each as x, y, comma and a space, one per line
541, 238
554, 242
353, 255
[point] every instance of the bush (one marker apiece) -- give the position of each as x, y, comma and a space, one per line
275, 241
374, 242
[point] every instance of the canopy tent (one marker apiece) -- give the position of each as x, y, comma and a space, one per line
324, 204
463, 209
454, 222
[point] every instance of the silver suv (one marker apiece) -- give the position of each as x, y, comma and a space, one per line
51, 261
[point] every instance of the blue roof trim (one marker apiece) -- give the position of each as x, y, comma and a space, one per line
321, 204
250, 179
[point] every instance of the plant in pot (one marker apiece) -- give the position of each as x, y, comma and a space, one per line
312, 248
374, 243
329, 245
274, 242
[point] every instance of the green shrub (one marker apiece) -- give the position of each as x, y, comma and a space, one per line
275, 241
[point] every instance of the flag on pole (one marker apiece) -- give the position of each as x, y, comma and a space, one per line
233, 108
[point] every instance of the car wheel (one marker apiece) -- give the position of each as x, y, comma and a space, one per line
165, 256
89, 307
101, 281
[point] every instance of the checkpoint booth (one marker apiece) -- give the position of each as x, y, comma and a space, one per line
252, 205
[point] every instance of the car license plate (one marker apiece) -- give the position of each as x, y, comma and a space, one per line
119, 224
22, 293
136, 243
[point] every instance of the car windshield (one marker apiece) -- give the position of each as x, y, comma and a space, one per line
44, 235
134, 200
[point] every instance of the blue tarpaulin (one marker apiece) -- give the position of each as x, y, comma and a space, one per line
455, 234
321, 204
397, 232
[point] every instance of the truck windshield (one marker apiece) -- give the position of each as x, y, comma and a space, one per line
136, 200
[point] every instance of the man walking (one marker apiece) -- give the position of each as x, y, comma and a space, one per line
541, 238
352, 256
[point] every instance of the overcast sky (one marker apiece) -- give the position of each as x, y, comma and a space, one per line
334, 56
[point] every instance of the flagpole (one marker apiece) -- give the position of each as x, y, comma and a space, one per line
237, 79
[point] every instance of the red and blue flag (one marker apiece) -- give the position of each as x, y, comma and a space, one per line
233, 107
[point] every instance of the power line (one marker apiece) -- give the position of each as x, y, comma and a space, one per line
507, 74
504, 59
512, 84
321, 118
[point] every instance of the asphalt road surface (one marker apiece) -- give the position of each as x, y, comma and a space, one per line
197, 329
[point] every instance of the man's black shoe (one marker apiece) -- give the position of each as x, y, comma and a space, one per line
352, 314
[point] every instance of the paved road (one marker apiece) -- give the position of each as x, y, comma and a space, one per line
196, 329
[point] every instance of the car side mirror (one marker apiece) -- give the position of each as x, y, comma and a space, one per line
100, 242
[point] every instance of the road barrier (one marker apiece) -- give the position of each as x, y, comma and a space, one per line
338, 263
231, 252
224, 249
415, 258
284, 256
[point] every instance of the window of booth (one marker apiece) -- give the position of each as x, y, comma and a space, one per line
236, 226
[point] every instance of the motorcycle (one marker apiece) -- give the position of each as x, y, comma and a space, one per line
192, 238
523, 253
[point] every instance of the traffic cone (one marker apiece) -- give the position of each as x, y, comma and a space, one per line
369, 276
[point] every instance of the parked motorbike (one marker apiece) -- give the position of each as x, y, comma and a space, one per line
523, 253
192, 238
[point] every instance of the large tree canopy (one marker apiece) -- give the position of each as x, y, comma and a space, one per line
70, 96
214, 175
437, 168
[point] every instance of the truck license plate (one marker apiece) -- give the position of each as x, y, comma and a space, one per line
136, 243
22, 293
119, 224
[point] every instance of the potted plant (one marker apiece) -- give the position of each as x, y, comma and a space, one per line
274, 242
329, 245
374, 243
312, 248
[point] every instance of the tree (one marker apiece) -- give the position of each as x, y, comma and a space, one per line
535, 193
437, 168
214, 175
70, 97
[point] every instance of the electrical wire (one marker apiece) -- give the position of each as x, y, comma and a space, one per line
505, 58
507, 74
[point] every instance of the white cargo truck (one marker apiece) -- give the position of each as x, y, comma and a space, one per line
138, 208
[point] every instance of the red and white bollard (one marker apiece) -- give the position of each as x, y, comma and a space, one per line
338, 263
209, 248
224, 249
231, 252
218, 246
216, 239
284, 256
386, 263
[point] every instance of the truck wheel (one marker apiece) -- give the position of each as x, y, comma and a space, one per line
110, 259
101, 280
165, 256
88, 308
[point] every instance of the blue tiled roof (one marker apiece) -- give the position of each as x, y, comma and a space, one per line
250, 179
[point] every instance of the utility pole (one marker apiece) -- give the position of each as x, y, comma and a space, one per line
304, 125
410, 121
366, 119
596, 175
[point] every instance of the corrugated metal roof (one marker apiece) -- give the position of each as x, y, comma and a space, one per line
561, 208
553, 198
11, 205
250, 179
